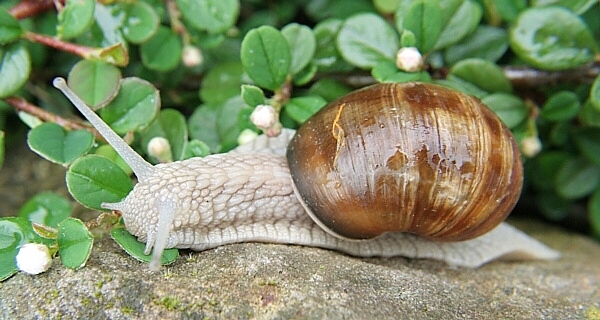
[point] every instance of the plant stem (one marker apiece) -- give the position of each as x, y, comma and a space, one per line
82, 51
23, 105
30, 8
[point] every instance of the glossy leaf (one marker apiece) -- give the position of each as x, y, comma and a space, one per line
576, 179
203, 126
93, 179
561, 106
302, 44
2, 149
110, 153
15, 67
46, 208
424, 19
595, 93
57, 145
463, 21
366, 39
74, 243
140, 21
163, 51
488, 43
302, 108
95, 82
328, 89
543, 168
196, 148
577, 6
75, 18
213, 16
136, 249
587, 141
511, 110
171, 125
552, 38
594, 213
266, 57
14, 232
222, 82
252, 95
134, 107
482, 73
10, 29
327, 57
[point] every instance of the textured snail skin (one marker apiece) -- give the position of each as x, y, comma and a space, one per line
247, 195
407, 157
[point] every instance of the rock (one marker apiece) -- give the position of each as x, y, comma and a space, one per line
278, 281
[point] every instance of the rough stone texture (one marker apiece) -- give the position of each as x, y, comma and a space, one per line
291, 282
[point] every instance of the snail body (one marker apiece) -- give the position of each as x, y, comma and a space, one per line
248, 194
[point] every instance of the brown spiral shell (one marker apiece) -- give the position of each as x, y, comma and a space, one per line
409, 157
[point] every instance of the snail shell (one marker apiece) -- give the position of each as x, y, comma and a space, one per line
411, 157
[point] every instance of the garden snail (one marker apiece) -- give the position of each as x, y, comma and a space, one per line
247, 194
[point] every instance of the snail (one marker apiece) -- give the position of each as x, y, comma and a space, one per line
415, 170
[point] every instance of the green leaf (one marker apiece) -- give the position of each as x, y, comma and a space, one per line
387, 71
302, 108
2, 150
552, 38
544, 167
196, 148
74, 243
252, 95
57, 145
14, 232
365, 40
328, 89
302, 44
46, 208
95, 82
171, 125
136, 249
462, 22
577, 6
203, 126
140, 22
488, 43
587, 141
10, 29
305, 75
163, 51
327, 57
134, 107
424, 19
561, 106
576, 179
595, 93
552, 206
93, 179
110, 153
213, 16
75, 18
589, 115
511, 110
15, 67
482, 73
222, 82
266, 57
594, 213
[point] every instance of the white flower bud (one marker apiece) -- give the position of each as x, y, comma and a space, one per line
160, 148
531, 146
409, 59
263, 116
246, 136
191, 56
33, 258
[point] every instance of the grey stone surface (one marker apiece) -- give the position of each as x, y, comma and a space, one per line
252, 280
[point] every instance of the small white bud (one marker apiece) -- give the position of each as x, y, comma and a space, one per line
160, 148
531, 146
409, 59
191, 56
246, 136
263, 116
33, 258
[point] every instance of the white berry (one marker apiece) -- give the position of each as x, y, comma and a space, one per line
409, 59
33, 258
